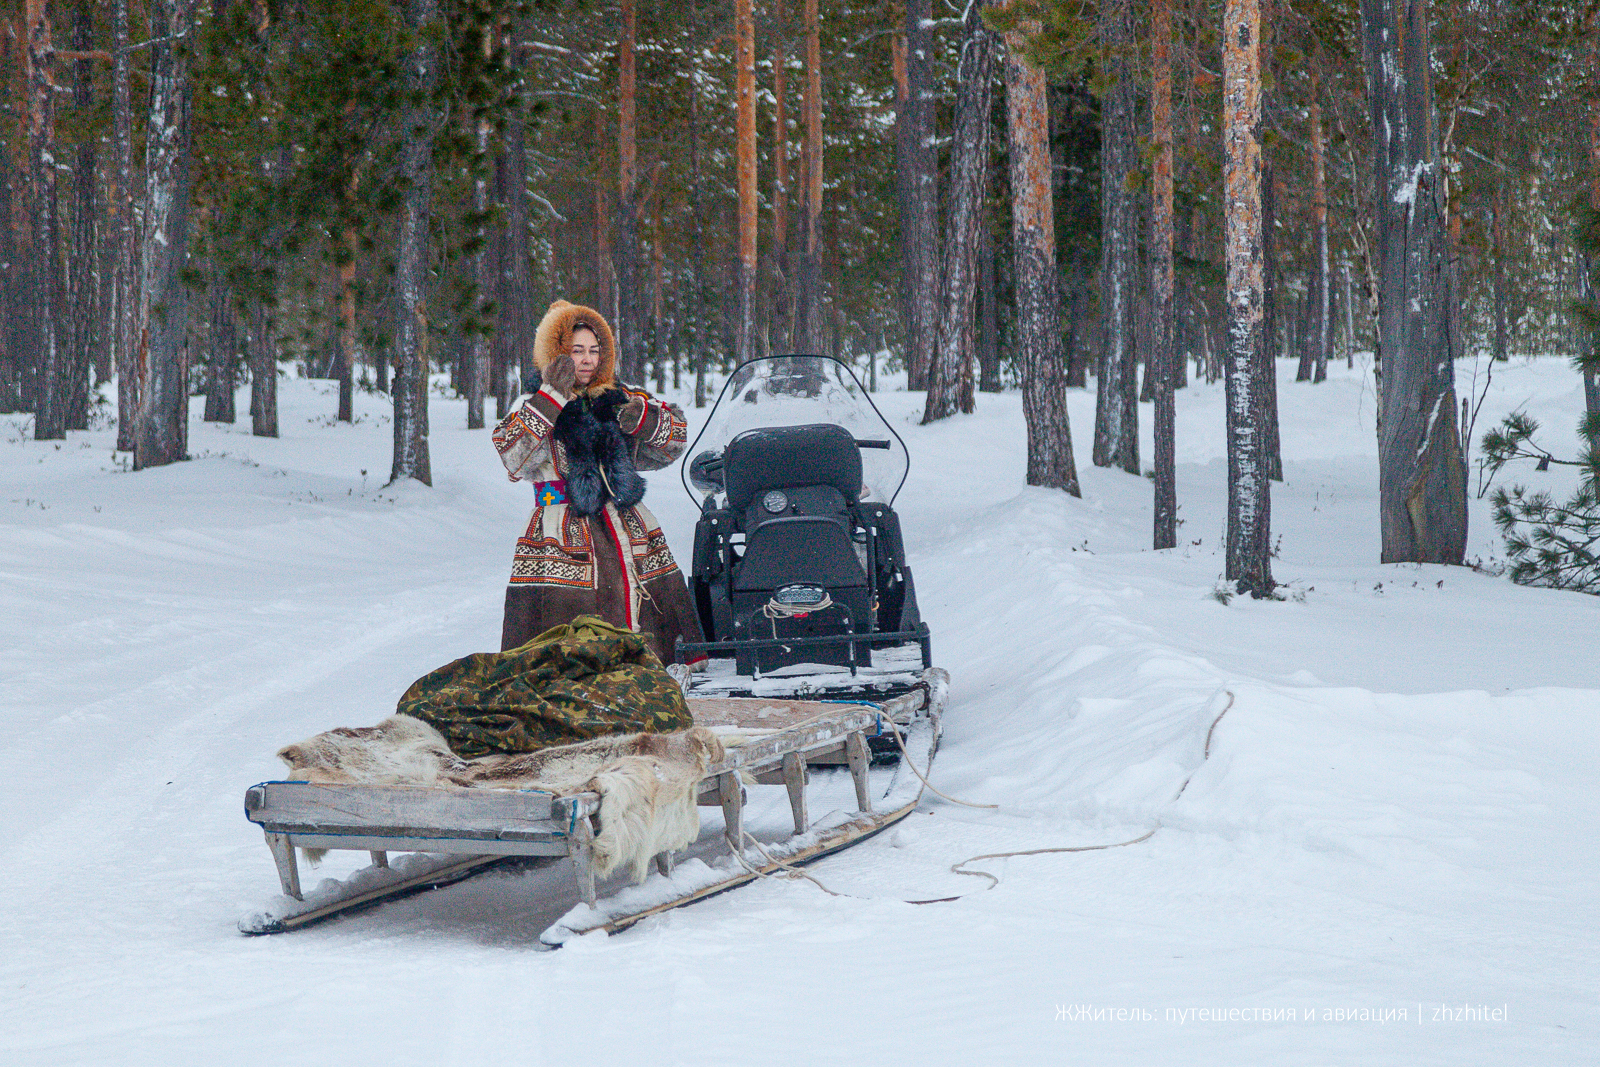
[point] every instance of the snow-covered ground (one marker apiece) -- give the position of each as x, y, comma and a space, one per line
1382, 860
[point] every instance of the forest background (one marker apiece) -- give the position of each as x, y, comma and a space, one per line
1032, 193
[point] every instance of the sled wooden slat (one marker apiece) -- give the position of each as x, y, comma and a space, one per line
826, 733
306, 805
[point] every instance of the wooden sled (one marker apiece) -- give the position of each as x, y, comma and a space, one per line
454, 833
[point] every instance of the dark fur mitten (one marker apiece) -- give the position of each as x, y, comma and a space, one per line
616, 452
593, 441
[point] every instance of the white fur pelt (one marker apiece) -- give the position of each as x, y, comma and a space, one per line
647, 782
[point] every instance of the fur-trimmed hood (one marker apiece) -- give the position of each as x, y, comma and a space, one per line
554, 338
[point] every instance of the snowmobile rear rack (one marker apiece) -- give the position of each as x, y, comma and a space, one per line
920, 634
455, 833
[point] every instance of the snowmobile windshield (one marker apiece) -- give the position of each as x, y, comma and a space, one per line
776, 391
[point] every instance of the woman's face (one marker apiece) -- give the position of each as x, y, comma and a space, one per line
585, 353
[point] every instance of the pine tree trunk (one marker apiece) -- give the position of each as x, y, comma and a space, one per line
261, 349
1163, 333
1421, 470
1249, 489
1037, 337
969, 169
1501, 345
745, 152
605, 296
1266, 391
779, 327
1591, 380
658, 322
1116, 431
221, 366
516, 319
630, 312
345, 330
411, 459
1322, 306
1266, 365
49, 340
808, 310
86, 318
121, 252
919, 212
162, 430
11, 293
988, 314
699, 338
476, 348
1349, 320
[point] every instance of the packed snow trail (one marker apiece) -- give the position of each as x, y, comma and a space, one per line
1395, 816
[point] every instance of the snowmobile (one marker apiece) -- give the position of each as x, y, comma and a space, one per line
820, 681
799, 571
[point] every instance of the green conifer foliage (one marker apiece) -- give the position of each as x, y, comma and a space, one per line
298, 132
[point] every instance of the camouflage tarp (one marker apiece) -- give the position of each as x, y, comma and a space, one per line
568, 684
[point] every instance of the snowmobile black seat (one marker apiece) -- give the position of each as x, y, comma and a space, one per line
814, 549
780, 457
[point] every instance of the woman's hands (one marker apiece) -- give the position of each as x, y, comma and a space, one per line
562, 375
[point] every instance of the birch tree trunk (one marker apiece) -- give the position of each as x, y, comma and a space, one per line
745, 150
1033, 242
808, 313
919, 212
1249, 562
630, 312
1421, 470
1116, 431
1163, 355
162, 429
969, 169
411, 459
49, 420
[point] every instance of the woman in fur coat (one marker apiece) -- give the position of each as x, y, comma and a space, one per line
591, 547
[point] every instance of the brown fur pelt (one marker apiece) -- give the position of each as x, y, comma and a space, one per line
647, 782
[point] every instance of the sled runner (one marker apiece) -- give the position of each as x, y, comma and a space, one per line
810, 747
